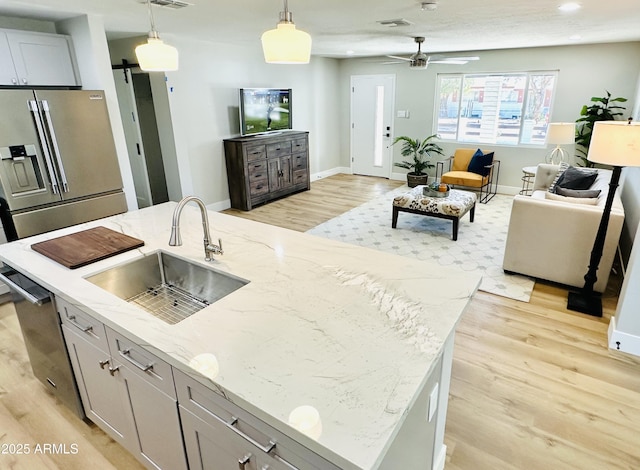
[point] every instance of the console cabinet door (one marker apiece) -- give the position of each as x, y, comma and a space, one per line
41, 59
157, 425
100, 392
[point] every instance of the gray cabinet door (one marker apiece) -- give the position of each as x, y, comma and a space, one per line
100, 391
212, 447
41, 59
156, 421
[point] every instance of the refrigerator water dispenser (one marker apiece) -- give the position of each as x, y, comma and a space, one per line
20, 165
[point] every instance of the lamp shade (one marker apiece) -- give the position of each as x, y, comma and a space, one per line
156, 56
286, 45
561, 133
615, 143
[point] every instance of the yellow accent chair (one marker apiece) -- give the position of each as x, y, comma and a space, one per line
457, 173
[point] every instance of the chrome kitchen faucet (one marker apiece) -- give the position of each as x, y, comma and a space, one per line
176, 240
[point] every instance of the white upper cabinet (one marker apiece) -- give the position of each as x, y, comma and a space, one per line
36, 59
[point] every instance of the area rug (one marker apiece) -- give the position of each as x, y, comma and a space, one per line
479, 248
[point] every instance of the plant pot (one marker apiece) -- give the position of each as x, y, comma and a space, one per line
414, 180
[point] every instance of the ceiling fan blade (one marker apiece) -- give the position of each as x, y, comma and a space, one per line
447, 61
446, 57
399, 58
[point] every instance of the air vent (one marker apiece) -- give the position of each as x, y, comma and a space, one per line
171, 3
393, 23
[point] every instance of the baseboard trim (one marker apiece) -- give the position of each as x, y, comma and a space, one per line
438, 462
333, 171
620, 341
220, 205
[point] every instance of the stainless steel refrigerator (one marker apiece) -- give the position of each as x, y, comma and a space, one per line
58, 163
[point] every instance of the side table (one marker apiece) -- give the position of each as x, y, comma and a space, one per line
528, 175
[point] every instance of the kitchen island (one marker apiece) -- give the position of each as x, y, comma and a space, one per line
363, 337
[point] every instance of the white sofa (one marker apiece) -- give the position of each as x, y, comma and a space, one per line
552, 239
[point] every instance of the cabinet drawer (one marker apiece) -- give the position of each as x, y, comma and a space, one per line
279, 149
141, 362
299, 162
299, 145
255, 152
214, 409
259, 187
82, 323
258, 170
299, 177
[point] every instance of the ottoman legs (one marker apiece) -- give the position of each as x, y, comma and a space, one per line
394, 217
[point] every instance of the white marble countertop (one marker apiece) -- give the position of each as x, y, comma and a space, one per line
351, 331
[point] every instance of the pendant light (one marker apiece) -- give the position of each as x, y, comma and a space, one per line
155, 55
286, 44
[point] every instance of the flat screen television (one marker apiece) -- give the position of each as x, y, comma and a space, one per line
264, 110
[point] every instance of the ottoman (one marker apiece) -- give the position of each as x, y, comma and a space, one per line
452, 207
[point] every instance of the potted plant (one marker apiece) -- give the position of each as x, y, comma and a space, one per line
420, 151
600, 110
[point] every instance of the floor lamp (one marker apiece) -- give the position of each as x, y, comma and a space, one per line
560, 133
617, 144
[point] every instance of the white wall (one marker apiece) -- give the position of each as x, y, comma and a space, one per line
204, 108
584, 71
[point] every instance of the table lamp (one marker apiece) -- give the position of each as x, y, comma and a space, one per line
560, 133
617, 144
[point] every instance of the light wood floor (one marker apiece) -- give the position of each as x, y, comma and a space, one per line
533, 385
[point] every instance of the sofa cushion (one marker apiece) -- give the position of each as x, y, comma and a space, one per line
576, 178
561, 169
591, 201
479, 161
589, 193
464, 178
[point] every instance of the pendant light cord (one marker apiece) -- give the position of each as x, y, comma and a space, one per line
153, 33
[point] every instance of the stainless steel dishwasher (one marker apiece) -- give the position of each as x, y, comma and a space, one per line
40, 325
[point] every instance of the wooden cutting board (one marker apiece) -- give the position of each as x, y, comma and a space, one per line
88, 246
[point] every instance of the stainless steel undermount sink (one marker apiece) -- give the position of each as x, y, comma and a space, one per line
168, 287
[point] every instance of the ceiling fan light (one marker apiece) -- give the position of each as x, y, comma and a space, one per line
286, 45
156, 56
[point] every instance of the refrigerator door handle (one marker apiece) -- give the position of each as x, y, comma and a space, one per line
33, 106
54, 143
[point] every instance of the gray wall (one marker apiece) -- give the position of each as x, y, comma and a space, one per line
203, 105
584, 71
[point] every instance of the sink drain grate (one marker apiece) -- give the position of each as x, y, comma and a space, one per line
169, 303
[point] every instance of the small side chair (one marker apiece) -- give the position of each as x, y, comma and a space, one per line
471, 168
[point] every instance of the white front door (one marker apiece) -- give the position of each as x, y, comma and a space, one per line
372, 103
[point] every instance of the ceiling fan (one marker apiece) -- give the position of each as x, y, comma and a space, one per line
420, 60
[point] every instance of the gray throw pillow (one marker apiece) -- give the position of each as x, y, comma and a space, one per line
578, 192
576, 178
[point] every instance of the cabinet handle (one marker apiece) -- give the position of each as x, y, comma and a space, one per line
14, 81
103, 363
84, 329
266, 449
258, 175
24, 81
243, 461
127, 355
113, 370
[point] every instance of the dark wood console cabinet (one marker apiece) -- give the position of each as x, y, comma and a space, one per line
265, 167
